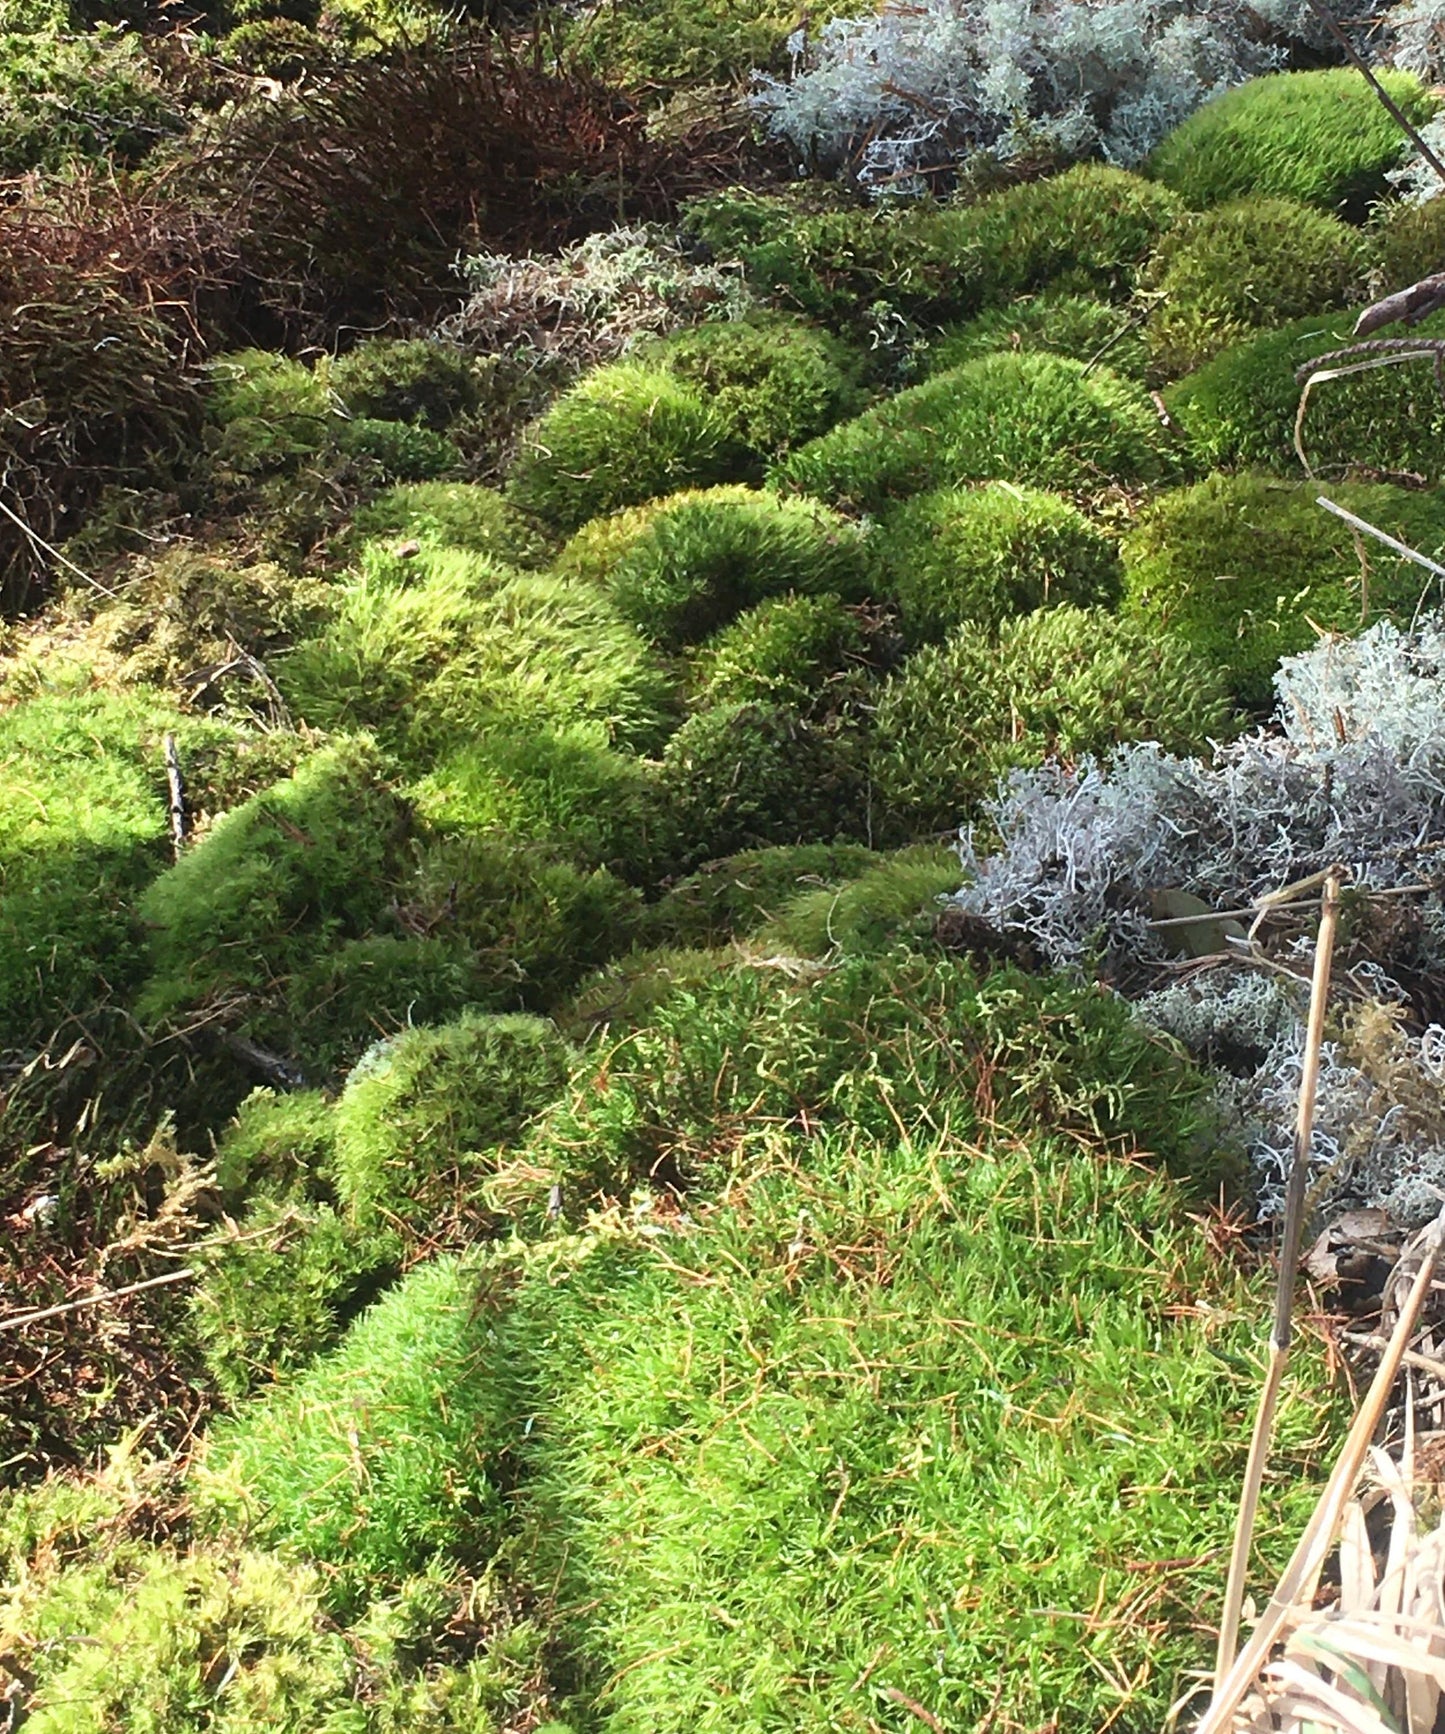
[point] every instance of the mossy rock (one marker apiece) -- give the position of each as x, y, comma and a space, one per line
811, 652
284, 877
428, 665
380, 1456
1040, 420
774, 381
701, 559
623, 434
1061, 681
279, 1289
744, 775
1320, 137
279, 1146
418, 380
1242, 408
423, 1118
1247, 569
1247, 266
730, 898
894, 901
984, 555
456, 514
1054, 322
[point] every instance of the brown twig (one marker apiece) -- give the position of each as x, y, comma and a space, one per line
94, 1300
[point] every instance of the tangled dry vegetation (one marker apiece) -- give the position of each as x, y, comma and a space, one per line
659, 830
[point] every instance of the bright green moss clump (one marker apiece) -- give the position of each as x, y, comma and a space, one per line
623, 434
729, 898
1245, 569
278, 1146
986, 554
68, 97
698, 561
1081, 327
1241, 408
1320, 137
269, 413
1037, 419
407, 379
402, 452
421, 1119
377, 1458
287, 874
774, 381
806, 651
893, 900
1245, 267
1063, 680
459, 514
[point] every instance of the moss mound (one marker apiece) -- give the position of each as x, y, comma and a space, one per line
892, 901
1408, 242
377, 1458
286, 875
267, 413
986, 554
1244, 267
697, 561
401, 452
1054, 322
743, 775
1320, 137
1035, 419
774, 382
810, 652
1241, 408
623, 434
458, 514
421, 1119
730, 898
1245, 570
404, 379
428, 665
278, 1146
1062, 681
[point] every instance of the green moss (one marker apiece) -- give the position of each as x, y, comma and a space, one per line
623, 434
806, 651
421, 1121
84, 828
429, 664
1241, 408
699, 560
732, 897
278, 48
535, 922
1086, 229
404, 379
66, 97
1320, 137
1063, 681
890, 1046
1036, 419
773, 381
892, 900
562, 786
748, 774
1056, 322
627, 992
368, 989
657, 44
1408, 242
457, 514
286, 875
278, 1146
275, 1293
931, 1395
1246, 570
402, 452
268, 413
986, 554
1244, 267
379, 1457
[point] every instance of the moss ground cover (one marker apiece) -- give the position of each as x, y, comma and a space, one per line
651, 1265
